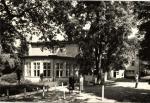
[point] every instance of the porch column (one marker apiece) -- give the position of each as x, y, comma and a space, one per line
25, 69
32, 69
64, 69
41, 67
53, 70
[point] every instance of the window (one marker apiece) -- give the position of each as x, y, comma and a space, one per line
36, 69
117, 73
67, 69
131, 71
28, 68
47, 69
59, 69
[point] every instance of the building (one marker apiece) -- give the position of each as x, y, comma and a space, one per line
54, 63
116, 73
132, 68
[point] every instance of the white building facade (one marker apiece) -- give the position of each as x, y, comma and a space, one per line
54, 64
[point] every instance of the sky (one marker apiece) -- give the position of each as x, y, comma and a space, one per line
133, 34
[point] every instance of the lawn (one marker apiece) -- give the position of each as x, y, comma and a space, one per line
9, 82
50, 96
17, 89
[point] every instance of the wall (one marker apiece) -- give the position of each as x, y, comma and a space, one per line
53, 68
37, 50
120, 74
69, 50
131, 69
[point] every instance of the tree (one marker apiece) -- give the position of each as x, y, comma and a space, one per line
105, 41
18, 70
100, 44
142, 11
7, 68
110, 24
21, 19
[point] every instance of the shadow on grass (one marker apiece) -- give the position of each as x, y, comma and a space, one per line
120, 94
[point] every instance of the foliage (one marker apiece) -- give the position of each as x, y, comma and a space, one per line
102, 44
109, 25
17, 89
18, 19
18, 70
7, 68
10, 78
142, 10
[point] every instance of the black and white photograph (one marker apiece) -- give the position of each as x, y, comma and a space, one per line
75, 51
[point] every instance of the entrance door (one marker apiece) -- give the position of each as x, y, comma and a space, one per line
115, 74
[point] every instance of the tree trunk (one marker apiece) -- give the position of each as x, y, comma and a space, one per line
100, 72
105, 76
110, 74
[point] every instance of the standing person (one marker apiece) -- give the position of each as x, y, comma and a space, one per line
81, 83
136, 80
18, 72
71, 83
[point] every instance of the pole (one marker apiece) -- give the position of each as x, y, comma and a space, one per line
24, 92
63, 91
102, 92
55, 88
103, 75
7, 93
47, 88
43, 94
64, 94
37, 89
62, 84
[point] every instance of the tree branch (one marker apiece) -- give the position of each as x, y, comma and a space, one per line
6, 8
11, 16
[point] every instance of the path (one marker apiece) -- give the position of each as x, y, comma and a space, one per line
116, 92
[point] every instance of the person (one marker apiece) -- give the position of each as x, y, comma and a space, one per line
136, 80
71, 83
81, 83
18, 72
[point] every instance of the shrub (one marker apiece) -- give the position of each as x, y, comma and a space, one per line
17, 89
10, 78
65, 82
26, 82
50, 84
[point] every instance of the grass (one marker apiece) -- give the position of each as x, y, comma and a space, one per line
17, 89
50, 96
9, 82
